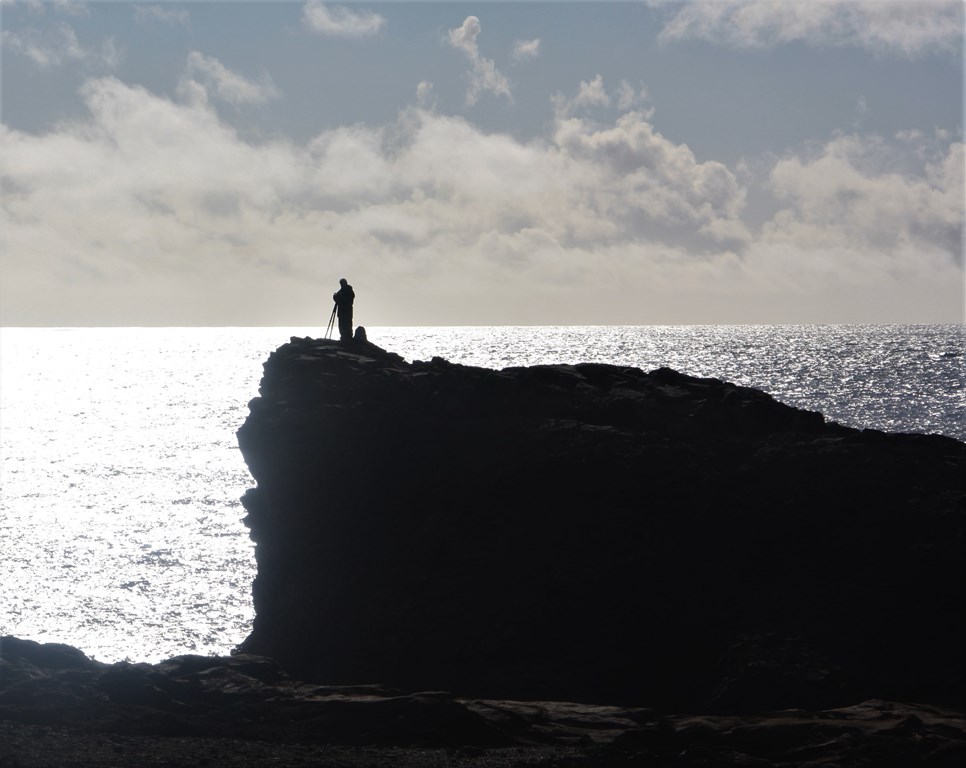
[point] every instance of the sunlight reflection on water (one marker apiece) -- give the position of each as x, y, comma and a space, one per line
120, 525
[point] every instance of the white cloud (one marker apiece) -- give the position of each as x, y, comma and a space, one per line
628, 96
464, 37
339, 21
594, 94
58, 45
72, 7
849, 196
227, 85
912, 134
36, 7
46, 49
525, 49
589, 94
651, 183
109, 55
424, 95
484, 76
882, 26
158, 13
156, 211
39, 7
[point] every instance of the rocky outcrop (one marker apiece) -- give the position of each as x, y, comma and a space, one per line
242, 696
59, 708
595, 533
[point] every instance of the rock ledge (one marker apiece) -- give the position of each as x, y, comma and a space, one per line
59, 708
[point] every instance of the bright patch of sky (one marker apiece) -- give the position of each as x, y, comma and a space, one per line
493, 163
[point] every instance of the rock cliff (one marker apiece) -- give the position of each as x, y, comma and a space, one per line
595, 533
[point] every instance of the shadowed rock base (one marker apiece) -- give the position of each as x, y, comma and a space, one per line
58, 708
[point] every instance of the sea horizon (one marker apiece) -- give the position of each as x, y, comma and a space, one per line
527, 325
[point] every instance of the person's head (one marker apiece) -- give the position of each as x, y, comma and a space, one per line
343, 282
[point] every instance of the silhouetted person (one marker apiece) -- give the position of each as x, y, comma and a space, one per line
343, 301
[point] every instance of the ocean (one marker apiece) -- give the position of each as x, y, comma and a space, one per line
120, 524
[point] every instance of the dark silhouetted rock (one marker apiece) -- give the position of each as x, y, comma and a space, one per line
595, 533
241, 696
243, 711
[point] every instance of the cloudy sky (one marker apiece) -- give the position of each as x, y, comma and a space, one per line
729, 161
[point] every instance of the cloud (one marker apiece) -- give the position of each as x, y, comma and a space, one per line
225, 84
848, 196
46, 49
628, 96
339, 21
484, 76
58, 45
39, 7
464, 37
588, 94
892, 27
72, 7
647, 183
152, 210
424, 95
525, 49
157, 13
912, 134
591, 94
36, 7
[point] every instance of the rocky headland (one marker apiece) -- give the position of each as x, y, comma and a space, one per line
595, 533
582, 565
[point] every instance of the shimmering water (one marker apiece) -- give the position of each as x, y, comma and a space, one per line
120, 526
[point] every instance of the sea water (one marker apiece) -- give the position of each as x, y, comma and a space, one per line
120, 524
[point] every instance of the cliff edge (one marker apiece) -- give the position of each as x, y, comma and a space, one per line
595, 533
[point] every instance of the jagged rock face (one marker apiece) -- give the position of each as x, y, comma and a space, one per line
595, 533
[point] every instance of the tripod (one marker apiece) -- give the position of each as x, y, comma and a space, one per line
331, 325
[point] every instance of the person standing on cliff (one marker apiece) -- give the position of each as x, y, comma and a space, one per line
343, 299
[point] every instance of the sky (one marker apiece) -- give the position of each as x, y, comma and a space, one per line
482, 163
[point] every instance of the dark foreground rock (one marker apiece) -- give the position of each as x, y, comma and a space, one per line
58, 708
596, 533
